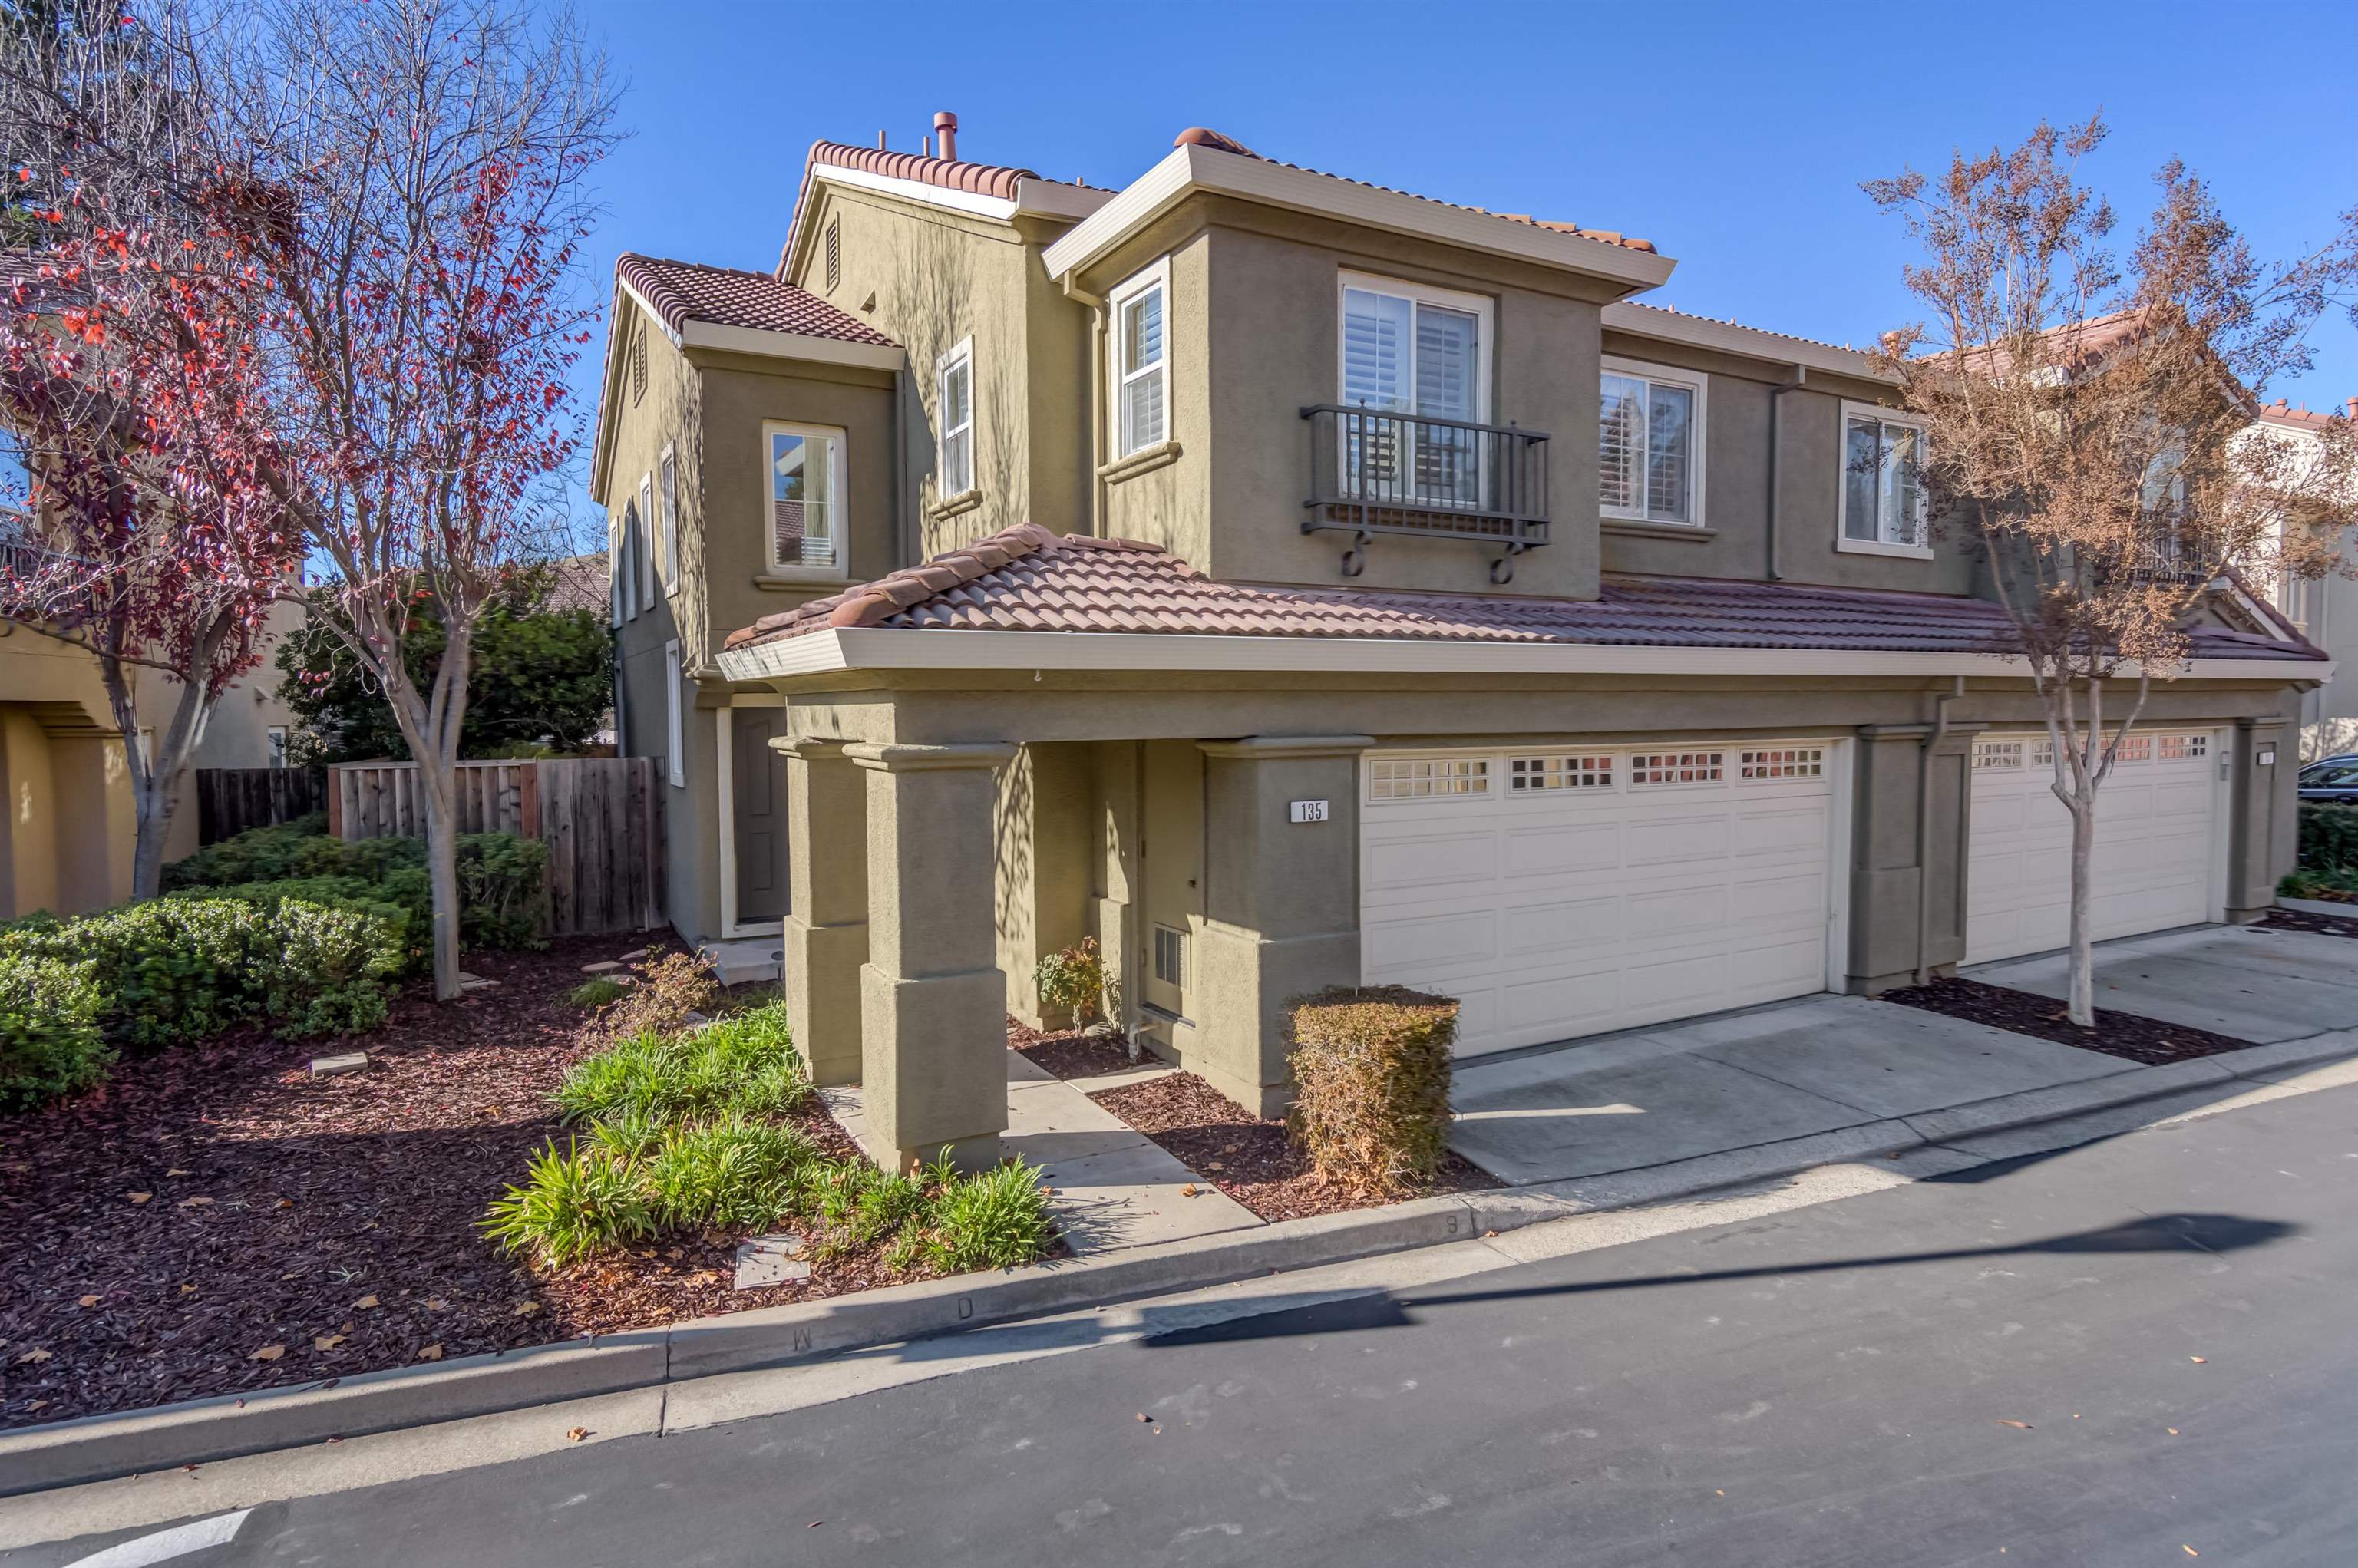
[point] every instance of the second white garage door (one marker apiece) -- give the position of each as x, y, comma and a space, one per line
2157, 860
1563, 893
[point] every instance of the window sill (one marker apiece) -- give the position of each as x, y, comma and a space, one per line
1633, 528
1877, 547
1146, 460
785, 580
965, 501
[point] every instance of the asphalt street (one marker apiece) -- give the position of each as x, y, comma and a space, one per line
2140, 1351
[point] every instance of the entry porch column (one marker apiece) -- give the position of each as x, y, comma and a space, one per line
1280, 901
933, 998
826, 936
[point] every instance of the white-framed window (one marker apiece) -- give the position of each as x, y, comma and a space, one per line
647, 540
1558, 772
1410, 349
807, 499
1649, 436
1882, 493
1655, 770
1428, 778
626, 561
1171, 956
2184, 747
1993, 756
954, 456
1141, 307
614, 567
675, 721
275, 739
667, 511
1782, 762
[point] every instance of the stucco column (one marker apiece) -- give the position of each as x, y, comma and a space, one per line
1896, 788
933, 998
826, 934
1280, 902
2263, 820
1044, 875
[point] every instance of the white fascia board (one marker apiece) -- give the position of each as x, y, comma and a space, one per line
1276, 185
1696, 331
1054, 199
879, 648
601, 445
696, 335
919, 190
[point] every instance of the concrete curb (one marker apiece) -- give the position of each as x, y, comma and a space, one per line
97, 1448
2318, 906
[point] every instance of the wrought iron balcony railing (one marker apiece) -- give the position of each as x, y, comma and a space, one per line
2161, 551
1377, 470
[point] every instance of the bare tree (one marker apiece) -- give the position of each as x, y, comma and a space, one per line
2087, 414
424, 162
132, 377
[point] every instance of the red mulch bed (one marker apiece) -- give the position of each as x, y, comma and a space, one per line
1249, 1159
323, 1192
1069, 1054
2302, 919
2128, 1035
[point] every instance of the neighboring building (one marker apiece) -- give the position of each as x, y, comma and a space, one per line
1283, 624
2324, 609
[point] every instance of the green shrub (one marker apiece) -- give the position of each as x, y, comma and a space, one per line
571, 1206
1371, 1086
1072, 979
744, 1065
671, 987
2329, 837
592, 994
994, 1219
51, 1043
503, 879
2339, 887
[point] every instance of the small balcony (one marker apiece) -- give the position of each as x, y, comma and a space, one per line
1376, 470
2159, 553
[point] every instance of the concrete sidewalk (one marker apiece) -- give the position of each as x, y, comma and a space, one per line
2245, 980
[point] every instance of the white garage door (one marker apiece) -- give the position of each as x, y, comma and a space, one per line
2156, 843
1562, 893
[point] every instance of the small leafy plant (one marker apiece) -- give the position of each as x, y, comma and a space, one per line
671, 987
592, 994
1072, 979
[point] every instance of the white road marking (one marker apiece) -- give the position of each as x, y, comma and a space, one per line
165, 1544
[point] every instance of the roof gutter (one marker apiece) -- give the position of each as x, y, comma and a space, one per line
845, 648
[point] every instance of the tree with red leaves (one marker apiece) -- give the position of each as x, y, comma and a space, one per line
134, 376
419, 165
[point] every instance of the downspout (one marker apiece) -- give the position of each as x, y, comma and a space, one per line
1924, 829
1776, 442
1095, 302
904, 517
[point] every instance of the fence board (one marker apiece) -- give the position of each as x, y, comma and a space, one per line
230, 800
602, 818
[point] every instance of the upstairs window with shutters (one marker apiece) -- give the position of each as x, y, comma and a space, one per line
806, 521
1141, 360
1650, 423
1422, 353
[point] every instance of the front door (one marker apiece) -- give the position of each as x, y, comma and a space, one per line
758, 781
1172, 851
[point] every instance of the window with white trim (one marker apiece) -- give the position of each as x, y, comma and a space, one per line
275, 738
616, 565
1993, 756
807, 499
1428, 778
1782, 762
1882, 493
627, 563
2134, 749
2184, 747
1409, 349
674, 721
1655, 769
1650, 422
667, 503
1141, 360
954, 459
647, 540
1559, 773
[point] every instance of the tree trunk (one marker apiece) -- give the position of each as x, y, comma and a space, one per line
2082, 1003
437, 777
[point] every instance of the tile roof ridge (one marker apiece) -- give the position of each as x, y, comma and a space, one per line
764, 275
1001, 181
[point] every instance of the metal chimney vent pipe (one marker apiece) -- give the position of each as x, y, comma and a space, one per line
945, 128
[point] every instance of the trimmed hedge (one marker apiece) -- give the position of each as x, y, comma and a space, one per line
2328, 837
51, 1043
183, 968
1372, 1071
503, 879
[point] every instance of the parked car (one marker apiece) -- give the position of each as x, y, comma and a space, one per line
2334, 779
2339, 760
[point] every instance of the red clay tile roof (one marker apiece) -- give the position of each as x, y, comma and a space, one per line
1203, 136
1028, 579
684, 291
978, 179
2304, 417
1732, 322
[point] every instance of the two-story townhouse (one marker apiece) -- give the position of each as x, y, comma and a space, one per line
2324, 610
1317, 640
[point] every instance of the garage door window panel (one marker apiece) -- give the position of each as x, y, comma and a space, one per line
1540, 774
1657, 769
1428, 778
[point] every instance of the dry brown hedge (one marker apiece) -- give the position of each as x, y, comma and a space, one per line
1371, 1085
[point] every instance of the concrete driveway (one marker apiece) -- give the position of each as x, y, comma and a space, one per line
1620, 1102
2242, 980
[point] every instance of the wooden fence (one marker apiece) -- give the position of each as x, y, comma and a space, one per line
602, 818
230, 800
